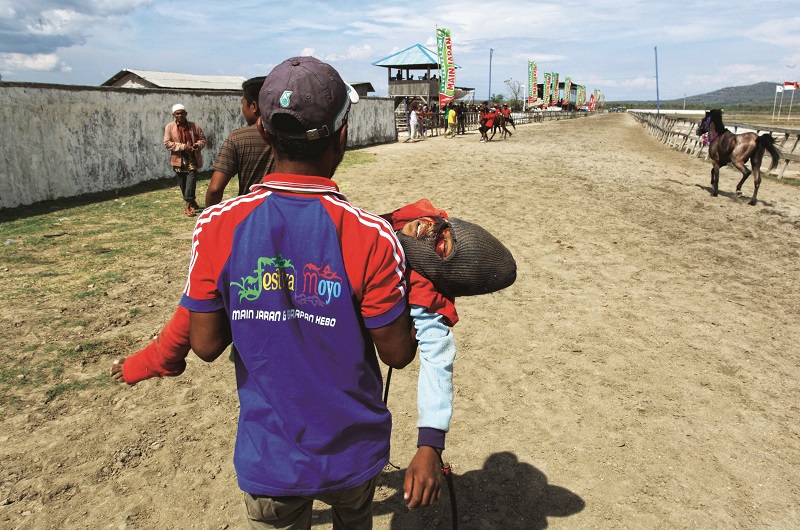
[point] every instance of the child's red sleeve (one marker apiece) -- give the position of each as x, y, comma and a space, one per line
166, 355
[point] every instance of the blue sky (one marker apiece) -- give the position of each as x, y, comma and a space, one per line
605, 45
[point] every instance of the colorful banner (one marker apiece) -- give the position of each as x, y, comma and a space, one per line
554, 93
548, 86
581, 96
533, 87
447, 81
567, 89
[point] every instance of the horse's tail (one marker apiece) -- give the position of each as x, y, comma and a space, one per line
767, 142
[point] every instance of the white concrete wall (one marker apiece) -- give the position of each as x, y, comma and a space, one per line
61, 141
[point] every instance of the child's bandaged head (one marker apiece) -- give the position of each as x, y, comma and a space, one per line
477, 264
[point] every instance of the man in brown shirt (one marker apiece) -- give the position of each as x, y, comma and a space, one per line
244, 152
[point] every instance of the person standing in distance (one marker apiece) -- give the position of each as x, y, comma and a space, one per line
308, 288
185, 139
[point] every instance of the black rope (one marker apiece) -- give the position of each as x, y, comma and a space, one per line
448, 476
386, 390
446, 469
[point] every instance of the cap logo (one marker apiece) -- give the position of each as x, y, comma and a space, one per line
285, 98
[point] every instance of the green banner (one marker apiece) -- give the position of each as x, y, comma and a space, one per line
447, 80
548, 86
554, 94
533, 88
567, 88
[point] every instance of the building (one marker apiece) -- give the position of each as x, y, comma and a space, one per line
413, 74
129, 78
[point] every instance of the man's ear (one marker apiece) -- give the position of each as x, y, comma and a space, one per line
341, 141
262, 132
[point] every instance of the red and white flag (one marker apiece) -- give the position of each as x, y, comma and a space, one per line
778, 88
791, 85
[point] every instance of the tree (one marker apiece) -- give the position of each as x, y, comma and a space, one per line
498, 98
515, 88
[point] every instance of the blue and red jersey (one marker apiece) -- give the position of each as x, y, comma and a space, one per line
301, 275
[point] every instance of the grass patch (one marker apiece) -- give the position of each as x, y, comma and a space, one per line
786, 181
58, 261
356, 158
63, 388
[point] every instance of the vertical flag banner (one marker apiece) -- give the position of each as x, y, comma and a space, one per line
554, 95
790, 85
447, 81
548, 86
567, 89
533, 89
778, 88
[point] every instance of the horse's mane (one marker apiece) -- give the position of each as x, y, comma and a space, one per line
716, 119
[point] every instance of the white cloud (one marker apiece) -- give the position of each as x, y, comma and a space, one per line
782, 32
307, 51
43, 26
39, 62
353, 53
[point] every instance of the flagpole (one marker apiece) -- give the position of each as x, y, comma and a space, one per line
774, 102
790, 108
781, 104
658, 101
491, 51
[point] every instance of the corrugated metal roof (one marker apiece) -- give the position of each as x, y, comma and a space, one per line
185, 81
416, 56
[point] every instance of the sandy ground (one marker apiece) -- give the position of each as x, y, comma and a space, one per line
641, 373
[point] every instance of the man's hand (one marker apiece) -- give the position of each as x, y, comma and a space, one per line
116, 370
423, 484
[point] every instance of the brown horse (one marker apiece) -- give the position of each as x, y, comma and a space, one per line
500, 122
727, 148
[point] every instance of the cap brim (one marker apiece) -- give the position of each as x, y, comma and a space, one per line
351, 93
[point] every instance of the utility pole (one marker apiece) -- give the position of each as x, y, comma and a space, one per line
491, 51
658, 101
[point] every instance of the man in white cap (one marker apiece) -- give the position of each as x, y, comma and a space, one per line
185, 139
308, 288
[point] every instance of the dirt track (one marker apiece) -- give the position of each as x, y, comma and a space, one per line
641, 373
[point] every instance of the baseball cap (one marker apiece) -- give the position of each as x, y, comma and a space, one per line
310, 91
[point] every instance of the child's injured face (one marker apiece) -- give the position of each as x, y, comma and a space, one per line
434, 229
460, 258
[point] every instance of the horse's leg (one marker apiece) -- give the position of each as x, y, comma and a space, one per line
756, 185
745, 173
755, 163
714, 178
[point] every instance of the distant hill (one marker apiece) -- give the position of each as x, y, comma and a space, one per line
749, 96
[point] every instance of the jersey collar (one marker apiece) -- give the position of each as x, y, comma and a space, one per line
300, 184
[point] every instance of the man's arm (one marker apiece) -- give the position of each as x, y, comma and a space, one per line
395, 342
209, 333
201, 137
216, 188
171, 144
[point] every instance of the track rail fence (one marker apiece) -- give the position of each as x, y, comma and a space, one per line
433, 123
679, 132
